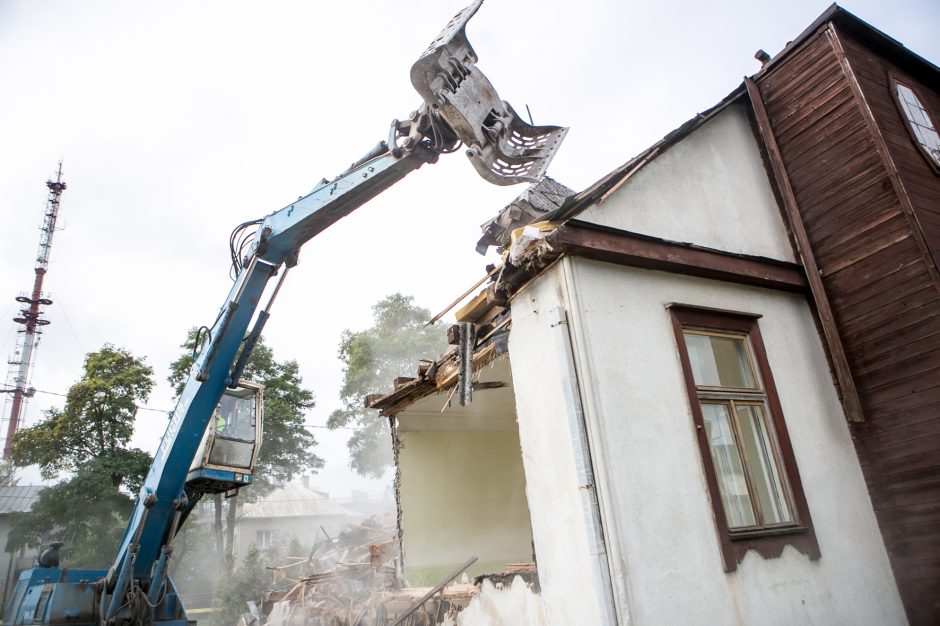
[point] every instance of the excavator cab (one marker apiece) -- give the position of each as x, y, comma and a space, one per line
229, 448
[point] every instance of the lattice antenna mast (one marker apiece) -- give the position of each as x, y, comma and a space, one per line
31, 316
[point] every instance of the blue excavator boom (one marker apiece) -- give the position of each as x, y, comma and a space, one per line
459, 106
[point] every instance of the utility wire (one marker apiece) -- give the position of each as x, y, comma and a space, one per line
65, 395
68, 323
10, 331
147, 408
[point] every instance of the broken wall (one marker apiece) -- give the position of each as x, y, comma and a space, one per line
462, 494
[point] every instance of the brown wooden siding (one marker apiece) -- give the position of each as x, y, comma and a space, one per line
920, 180
880, 279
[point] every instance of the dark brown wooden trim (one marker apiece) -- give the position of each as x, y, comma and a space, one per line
693, 308
769, 543
886, 159
851, 402
635, 250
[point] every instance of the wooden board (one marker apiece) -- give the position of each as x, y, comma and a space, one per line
868, 202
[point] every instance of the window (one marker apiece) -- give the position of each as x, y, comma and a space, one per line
749, 466
264, 539
919, 124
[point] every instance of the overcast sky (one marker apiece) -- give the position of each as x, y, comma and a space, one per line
179, 120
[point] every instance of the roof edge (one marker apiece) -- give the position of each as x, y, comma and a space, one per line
858, 27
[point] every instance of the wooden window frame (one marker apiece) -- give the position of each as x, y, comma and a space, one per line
893, 81
768, 540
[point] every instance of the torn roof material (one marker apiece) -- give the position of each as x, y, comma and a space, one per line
491, 342
533, 203
550, 201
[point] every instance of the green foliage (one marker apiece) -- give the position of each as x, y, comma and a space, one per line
287, 445
98, 416
8, 473
234, 591
87, 440
250, 580
373, 358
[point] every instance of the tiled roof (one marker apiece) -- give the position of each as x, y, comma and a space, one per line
18, 499
295, 500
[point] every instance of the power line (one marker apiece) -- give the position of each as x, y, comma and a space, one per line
147, 408
68, 322
65, 395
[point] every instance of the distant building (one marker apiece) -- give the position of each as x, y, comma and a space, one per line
15, 500
367, 505
295, 510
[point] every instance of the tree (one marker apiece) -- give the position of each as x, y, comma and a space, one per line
87, 441
8, 473
286, 446
373, 358
249, 582
253, 578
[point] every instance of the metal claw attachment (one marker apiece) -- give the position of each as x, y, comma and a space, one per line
502, 147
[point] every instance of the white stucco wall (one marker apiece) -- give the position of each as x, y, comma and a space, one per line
558, 524
462, 495
305, 529
665, 557
709, 189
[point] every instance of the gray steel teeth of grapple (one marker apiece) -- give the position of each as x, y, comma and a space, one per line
503, 148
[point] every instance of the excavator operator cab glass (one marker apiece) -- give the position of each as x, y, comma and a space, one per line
234, 421
231, 443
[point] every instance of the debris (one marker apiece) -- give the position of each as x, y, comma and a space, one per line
440, 587
465, 349
545, 196
355, 579
525, 237
515, 603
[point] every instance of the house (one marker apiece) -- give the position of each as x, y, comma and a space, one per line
15, 500
706, 389
294, 510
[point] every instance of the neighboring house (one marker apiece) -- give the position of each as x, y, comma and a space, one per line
720, 363
367, 505
15, 500
293, 510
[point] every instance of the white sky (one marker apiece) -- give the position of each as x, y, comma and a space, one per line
178, 120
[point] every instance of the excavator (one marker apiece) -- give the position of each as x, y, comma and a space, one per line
213, 438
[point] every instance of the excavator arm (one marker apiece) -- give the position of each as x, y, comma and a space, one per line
459, 106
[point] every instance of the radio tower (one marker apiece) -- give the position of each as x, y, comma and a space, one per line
30, 317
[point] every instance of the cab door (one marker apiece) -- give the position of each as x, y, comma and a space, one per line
229, 449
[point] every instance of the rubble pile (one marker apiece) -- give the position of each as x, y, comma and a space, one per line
354, 579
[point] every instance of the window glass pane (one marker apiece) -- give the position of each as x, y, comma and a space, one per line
719, 361
235, 416
727, 462
920, 121
231, 453
759, 453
